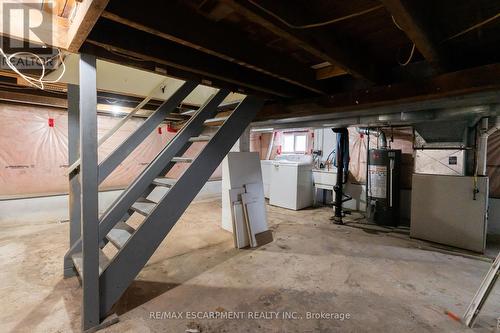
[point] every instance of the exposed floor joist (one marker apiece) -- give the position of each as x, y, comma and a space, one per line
185, 26
142, 46
110, 54
450, 85
33, 99
405, 17
87, 14
322, 46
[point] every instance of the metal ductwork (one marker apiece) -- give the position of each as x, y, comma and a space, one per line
382, 141
442, 131
370, 118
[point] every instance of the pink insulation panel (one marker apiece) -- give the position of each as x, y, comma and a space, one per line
34, 151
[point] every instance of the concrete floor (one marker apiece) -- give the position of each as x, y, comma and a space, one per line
382, 280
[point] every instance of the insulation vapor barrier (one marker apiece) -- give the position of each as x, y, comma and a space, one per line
259, 142
493, 164
34, 151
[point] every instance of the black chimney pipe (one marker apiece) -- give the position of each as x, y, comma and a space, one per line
338, 188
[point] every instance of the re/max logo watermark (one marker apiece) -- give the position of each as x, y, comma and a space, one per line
29, 29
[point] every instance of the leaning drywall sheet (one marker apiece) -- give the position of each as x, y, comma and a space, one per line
238, 169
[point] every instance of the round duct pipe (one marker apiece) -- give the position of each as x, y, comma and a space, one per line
382, 141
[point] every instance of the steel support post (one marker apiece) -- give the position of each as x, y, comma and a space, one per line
89, 191
74, 179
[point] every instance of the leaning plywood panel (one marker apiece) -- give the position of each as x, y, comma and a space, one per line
241, 231
235, 198
445, 209
249, 201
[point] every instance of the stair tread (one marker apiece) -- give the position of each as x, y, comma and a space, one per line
182, 159
144, 208
120, 234
164, 181
216, 120
188, 112
78, 262
201, 138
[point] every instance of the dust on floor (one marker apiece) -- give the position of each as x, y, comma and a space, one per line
365, 281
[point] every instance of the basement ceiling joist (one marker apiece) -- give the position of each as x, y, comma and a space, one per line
323, 46
115, 56
288, 51
406, 16
137, 44
185, 28
451, 86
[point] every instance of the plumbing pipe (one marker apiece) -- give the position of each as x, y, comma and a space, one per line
483, 144
382, 141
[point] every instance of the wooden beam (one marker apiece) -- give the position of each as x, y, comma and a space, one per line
34, 99
87, 14
143, 46
109, 54
414, 27
184, 26
329, 72
453, 85
321, 46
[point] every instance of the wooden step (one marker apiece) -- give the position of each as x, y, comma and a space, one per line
78, 262
120, 234
164, 181
201, 138
182, 159
188, 112
216, 121
143, 208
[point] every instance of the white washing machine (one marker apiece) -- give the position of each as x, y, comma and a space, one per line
291, 183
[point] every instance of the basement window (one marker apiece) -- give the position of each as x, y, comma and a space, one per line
294, 143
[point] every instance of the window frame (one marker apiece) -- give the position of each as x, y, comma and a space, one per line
295, 135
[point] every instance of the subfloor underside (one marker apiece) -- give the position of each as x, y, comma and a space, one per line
384, 282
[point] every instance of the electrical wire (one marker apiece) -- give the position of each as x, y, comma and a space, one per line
412, 48
37, 82
315, 25
409, 57
396, 23
474, 27
461, 33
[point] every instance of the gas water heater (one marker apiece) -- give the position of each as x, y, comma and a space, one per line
384, 170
